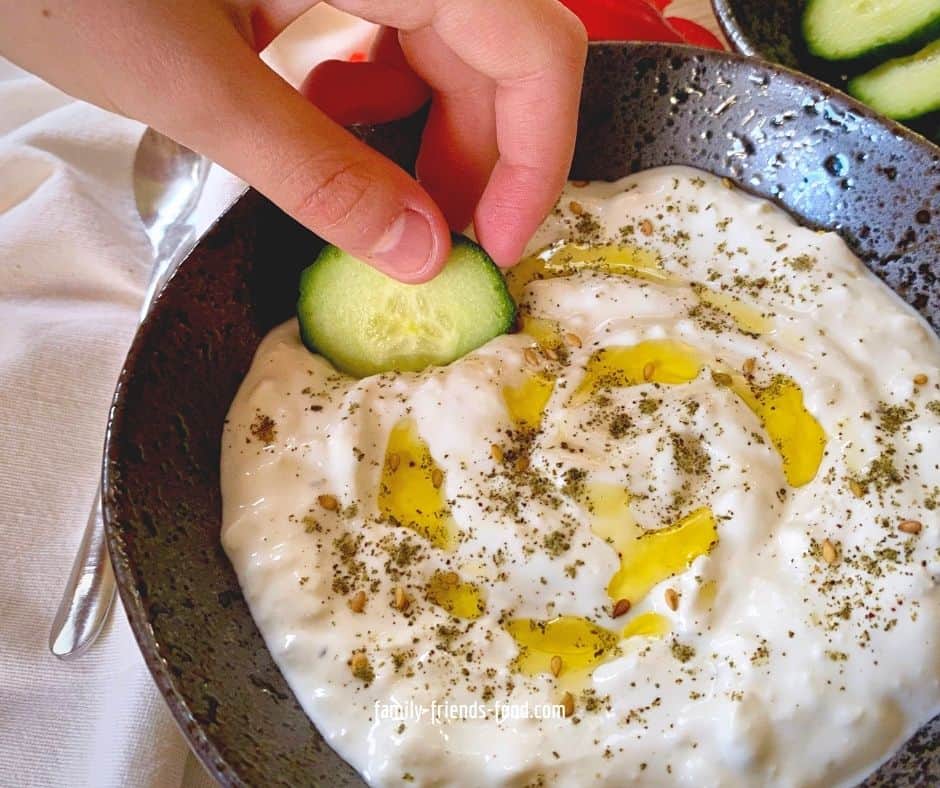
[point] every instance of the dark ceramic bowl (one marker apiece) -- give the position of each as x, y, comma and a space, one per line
770, 29
778, 134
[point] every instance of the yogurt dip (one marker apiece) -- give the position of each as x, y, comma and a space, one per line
683, 528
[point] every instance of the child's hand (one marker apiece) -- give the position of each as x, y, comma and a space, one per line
505, 80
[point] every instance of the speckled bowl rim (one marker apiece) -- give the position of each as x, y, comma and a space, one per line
728, 22
200, 743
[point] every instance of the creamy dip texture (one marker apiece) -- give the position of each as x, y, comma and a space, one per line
683, 528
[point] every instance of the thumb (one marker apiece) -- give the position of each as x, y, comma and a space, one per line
253, 123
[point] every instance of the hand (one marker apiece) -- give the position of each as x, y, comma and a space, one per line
505, 81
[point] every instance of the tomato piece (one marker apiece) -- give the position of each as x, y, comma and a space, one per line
694, 33
386, 48
364, 93
626, 20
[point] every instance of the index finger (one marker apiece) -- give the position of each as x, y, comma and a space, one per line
534, 50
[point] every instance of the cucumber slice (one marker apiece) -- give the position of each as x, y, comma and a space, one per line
904, 88
364, 322
848, 29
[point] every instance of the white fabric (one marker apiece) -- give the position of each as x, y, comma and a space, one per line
74, 261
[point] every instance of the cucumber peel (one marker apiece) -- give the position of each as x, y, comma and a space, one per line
903, 88
850, 29
365, 323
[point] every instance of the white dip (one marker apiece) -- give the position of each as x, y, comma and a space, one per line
714, 370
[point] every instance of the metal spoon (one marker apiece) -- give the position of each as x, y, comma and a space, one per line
168, 180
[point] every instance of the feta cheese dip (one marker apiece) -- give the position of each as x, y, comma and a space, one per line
682, 528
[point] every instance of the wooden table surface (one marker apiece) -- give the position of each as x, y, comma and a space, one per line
698, 11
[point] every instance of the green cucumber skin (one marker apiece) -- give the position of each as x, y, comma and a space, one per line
329, 251
861, 87
506, 313
327, 254
910, 43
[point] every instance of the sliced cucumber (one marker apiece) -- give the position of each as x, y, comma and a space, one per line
848, 29
364, 322
904, 88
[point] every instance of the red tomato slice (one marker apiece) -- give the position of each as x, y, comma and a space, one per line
366, 93
626, 20
387, 49
694, 33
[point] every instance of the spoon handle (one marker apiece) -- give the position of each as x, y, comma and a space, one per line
88, 593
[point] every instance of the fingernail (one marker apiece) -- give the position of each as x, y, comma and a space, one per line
407, 245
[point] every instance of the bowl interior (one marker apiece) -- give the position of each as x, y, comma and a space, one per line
766, 28
778, 134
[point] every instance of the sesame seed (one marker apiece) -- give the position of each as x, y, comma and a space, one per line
328, 502
749, 366
359, 660
393, 462
437, 477
521, 464
828, 552
360, 668
672, 598
530, 357
451, 578
920, 380
556, 666
496, 452
722, 378
856, 488
576, 208
646, 227
910, 527
550, 353
358, 602
401, 599
572, 340
621, 608
648, 371
567, 701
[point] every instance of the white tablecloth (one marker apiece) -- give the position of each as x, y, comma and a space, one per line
74, 261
